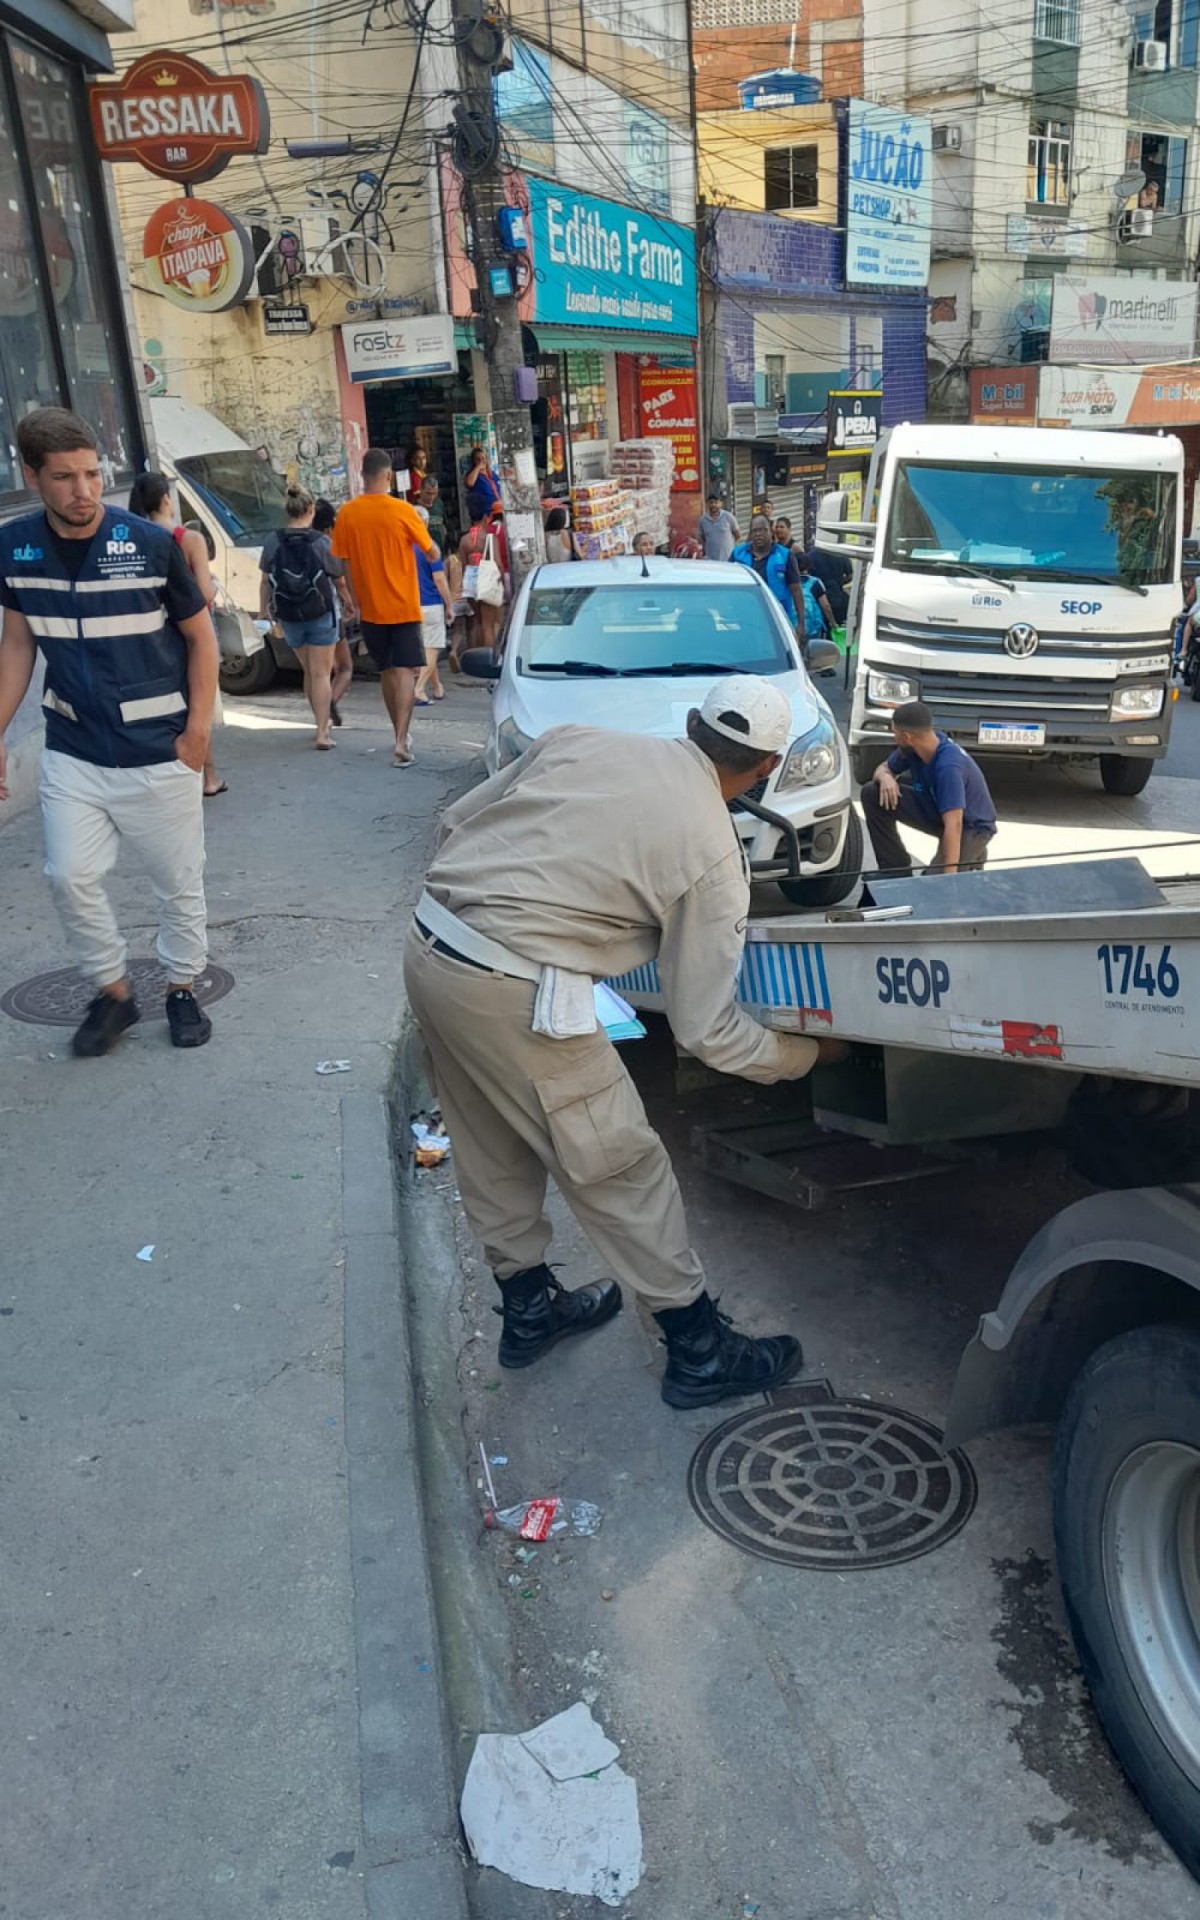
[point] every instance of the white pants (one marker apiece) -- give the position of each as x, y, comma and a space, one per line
86, 812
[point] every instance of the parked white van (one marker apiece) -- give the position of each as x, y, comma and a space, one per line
235, 497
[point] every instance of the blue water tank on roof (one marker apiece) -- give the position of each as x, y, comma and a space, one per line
781, 87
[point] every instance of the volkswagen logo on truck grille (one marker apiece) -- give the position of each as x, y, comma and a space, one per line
1021, 641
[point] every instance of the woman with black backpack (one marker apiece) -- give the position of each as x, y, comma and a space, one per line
298, 572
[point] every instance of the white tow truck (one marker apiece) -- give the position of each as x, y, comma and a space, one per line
1025, 998
1023, 582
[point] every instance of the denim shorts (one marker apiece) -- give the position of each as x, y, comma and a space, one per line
310, 633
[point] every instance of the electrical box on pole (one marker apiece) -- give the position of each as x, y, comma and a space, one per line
496, 233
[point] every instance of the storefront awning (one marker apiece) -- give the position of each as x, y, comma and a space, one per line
669, 346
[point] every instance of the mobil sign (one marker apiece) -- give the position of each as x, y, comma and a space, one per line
888, 196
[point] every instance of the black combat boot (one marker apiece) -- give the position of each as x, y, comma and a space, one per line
708, 1361
538, 1311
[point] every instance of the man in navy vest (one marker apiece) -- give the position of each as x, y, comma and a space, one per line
131, 674
776, 567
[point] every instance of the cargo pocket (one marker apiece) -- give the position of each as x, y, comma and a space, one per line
595, 1118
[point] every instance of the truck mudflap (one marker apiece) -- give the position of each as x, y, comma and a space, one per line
1105, 1265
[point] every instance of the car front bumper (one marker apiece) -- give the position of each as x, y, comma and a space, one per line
777, 848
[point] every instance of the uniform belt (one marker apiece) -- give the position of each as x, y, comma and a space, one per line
439, 946
464, 942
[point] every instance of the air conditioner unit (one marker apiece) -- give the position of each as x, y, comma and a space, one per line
317, 231
947, 140
1136, 224
748, 422
1151, 56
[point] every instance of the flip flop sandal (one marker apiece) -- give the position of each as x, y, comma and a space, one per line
212, 793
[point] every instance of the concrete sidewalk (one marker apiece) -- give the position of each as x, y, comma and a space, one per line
221, 1685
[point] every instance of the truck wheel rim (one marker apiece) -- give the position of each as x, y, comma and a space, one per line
1151, 1550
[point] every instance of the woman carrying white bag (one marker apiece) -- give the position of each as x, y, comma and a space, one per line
484, 556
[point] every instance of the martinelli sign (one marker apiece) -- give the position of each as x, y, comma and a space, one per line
178, 118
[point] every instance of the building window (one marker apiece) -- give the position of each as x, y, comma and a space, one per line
1057, 20
709, 16
1163, 160
777, 381
28, 372
87, 328
789, 178
1049, 177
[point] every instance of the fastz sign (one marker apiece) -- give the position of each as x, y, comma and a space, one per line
178, 118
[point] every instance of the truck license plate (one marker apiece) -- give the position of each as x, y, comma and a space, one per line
997, 733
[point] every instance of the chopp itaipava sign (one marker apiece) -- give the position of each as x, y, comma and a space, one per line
177, 118
198, 255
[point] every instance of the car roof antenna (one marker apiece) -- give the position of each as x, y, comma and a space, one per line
645, 569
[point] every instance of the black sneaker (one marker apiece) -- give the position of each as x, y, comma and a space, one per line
334, 713
103, 1024
190, 1025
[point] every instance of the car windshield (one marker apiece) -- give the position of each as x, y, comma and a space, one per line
243, 491
1034, 522
648, 627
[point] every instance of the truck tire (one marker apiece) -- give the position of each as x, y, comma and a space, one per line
1122, 773
827, 889
864, 760
1127, 1529
254, 675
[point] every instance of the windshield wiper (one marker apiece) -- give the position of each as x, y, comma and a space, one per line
692, 668
1085, 579
914, 565
585, 669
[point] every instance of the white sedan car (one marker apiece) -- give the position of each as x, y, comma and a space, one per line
633, 645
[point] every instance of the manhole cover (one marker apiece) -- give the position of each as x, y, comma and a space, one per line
832, 1484
61, 999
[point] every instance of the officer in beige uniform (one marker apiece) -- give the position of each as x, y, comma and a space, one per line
592, 854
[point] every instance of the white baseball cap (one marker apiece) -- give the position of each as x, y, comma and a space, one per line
753, 711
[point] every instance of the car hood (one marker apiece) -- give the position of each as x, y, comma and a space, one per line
650, 706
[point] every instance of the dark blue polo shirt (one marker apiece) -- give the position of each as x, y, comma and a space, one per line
951, 780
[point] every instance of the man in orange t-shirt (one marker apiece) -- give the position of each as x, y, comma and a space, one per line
375, 536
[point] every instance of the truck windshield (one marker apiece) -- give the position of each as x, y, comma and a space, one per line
244, 492
648, 628
1034, 522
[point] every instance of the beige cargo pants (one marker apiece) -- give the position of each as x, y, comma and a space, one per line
520, 1107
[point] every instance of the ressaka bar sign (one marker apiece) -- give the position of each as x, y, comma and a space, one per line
177, 117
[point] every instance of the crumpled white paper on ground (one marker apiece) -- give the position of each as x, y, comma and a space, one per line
550, 1808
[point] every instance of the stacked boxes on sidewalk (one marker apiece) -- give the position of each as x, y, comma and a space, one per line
645, 469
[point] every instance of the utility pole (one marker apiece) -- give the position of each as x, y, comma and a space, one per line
477, 154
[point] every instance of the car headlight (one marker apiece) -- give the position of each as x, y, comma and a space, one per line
511, 743
1130, 703
812, 760
890, 689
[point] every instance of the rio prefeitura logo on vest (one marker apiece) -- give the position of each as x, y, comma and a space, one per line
122, 558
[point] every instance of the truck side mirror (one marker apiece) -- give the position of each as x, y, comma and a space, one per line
822, 656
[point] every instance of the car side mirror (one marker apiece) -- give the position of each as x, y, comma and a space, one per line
480, 663
823, 656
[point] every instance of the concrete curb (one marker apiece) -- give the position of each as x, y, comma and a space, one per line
411, 1861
